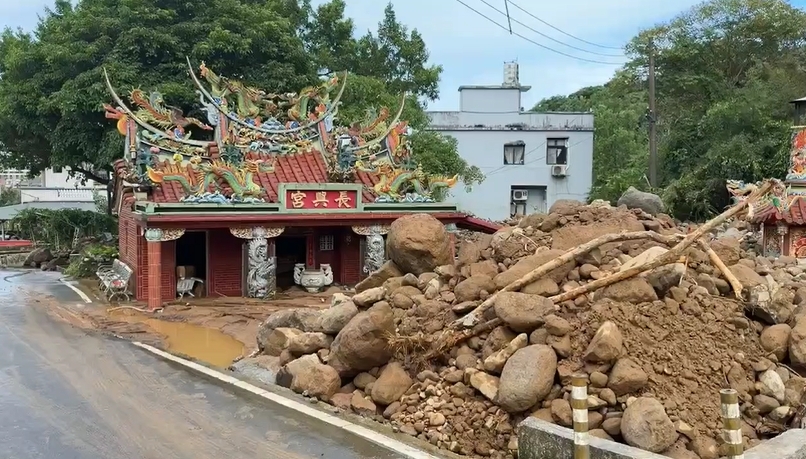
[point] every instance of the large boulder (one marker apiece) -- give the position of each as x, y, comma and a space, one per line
527, 378
308, 375
392, 383
529, 263
37, 257
362, 344
797, 344
606, 345
387, 271
645, 425
522, 312
333, 319
470, 288
306, 320
661, 278
636, 199
418, 243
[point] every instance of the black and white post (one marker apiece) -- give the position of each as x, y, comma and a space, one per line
731, 423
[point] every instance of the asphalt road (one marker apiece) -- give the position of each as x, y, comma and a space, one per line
66, 394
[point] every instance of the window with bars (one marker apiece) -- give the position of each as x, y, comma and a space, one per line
326, 243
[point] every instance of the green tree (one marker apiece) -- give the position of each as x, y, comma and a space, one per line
52, 86
9, 196
384, 65
726, 71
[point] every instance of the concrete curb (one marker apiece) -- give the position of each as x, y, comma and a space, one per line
370, 435
542, 440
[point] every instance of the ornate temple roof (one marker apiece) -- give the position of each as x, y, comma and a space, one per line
261, 141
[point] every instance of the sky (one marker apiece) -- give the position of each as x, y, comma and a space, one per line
472, 50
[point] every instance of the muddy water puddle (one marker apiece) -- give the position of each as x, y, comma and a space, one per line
201, 343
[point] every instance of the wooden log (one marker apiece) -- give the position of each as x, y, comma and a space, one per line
474, 316
720, 265
673, 254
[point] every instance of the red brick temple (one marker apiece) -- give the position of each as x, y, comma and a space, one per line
278, 196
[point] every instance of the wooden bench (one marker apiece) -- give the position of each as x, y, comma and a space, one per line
114, 279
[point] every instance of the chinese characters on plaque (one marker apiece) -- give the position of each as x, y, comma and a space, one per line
324, 200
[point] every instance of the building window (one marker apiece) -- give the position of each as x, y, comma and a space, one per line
325, 243
557, 151
514, 153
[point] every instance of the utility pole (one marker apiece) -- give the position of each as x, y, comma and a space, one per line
652, 118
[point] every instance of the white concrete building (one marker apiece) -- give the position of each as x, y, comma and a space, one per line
530, 159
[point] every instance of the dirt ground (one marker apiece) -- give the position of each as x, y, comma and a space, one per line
238, 318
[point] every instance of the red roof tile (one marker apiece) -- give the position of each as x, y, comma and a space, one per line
794, 214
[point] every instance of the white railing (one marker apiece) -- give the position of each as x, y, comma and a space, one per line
59, 194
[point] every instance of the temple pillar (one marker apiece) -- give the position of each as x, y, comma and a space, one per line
783, 230
154, 239
261, 279
375, 253
451, 228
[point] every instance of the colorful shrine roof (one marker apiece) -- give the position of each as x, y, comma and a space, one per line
262, 140
787, 200
794, 213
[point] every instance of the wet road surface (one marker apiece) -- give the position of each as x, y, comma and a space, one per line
66, 394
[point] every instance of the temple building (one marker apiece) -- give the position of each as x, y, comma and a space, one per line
280, 195
780, 215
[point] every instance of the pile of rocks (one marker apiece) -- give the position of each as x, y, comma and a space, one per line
656, 348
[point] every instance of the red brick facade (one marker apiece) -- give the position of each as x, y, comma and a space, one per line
225, 259
225, 263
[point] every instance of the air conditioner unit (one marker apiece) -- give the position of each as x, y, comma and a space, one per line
520, 195
559, 170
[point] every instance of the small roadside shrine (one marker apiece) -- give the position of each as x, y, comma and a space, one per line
781, 214
278, 196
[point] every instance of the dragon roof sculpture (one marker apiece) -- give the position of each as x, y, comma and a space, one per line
254, 132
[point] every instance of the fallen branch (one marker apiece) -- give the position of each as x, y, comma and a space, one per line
474, 316
720, 265
668, 257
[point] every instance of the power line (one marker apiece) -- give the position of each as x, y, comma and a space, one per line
532, 41
544, 35
562, 31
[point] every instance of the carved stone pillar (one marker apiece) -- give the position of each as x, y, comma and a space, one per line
783, 230
154, 238
261, 279
375, 253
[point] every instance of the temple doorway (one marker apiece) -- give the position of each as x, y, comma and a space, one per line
289, 250
191, 256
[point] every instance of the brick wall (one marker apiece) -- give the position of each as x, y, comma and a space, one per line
168, 268
225, 262
350, 251
131, 245
141, 272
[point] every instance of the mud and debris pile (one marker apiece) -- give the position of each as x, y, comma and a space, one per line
656, 347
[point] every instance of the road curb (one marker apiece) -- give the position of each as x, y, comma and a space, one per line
368, 434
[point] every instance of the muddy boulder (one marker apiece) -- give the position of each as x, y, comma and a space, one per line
387, 271
418, 244
645, 425
527, 378
362, 344
310, 376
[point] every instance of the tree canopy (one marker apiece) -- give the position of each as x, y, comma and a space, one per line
51, 85
726, 72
